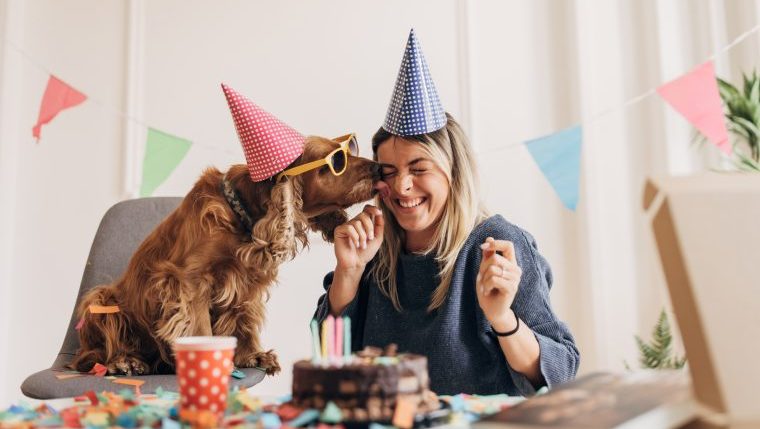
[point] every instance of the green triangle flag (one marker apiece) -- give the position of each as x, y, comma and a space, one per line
163, 152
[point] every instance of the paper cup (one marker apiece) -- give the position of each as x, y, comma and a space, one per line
204, 365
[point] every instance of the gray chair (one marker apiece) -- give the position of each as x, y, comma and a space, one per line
122, 229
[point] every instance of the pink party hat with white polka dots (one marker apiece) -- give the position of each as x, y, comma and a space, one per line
269, 144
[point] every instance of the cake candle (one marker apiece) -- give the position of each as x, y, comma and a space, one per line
330, 328
346, 339
338, 350
324, 341
316, 353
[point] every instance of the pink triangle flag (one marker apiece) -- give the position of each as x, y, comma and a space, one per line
695, 96
58, 96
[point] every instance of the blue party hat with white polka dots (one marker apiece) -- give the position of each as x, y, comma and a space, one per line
415, 107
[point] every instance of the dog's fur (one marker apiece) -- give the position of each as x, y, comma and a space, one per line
199, 273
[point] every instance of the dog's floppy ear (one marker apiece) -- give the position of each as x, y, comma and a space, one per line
327, 222
283, 226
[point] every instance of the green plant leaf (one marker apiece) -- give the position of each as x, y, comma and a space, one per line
727, 90
657, 353
754, 93
747, 164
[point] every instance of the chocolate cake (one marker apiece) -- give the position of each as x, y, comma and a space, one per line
367, 386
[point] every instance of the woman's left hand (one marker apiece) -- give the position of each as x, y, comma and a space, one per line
497, 283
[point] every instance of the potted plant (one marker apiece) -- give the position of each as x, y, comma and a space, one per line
658, 353
742, 110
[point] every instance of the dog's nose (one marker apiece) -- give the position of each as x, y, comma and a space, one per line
376, 171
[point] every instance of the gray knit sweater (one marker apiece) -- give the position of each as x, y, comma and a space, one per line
464, 355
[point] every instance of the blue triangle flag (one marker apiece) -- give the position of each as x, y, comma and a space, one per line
558, 156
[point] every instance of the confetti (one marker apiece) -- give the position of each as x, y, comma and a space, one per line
98, 370
67, 376
103, 309
403, 416
129, 381
129, 410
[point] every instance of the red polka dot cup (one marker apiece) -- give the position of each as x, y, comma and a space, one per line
204, 365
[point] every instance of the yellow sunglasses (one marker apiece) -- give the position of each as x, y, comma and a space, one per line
337, 160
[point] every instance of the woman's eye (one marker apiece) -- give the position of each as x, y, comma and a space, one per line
417, 171
388, 174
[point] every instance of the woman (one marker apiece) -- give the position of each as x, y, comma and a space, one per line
431, 272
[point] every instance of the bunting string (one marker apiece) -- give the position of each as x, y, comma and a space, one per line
108, 107
554, 153
631, 101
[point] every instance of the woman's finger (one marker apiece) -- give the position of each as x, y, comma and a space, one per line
507, 249
379, 222
491, 283
372, 210
486, 247
367, 224
506, 263
352, 234
359, 227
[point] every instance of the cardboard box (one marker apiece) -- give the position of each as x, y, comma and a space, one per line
707, 230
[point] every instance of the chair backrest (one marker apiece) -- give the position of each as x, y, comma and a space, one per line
124, 226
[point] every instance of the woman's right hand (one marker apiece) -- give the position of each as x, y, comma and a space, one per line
358, 240
356, 243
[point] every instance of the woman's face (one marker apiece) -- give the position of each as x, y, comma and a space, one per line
418, 186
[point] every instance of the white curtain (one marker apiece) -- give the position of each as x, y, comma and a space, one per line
509, 70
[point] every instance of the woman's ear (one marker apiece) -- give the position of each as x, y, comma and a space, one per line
327, 222
283, 226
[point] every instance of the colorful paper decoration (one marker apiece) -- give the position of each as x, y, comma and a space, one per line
695, 95
163, 152
558, 156
58, 96
269, 144
415, 107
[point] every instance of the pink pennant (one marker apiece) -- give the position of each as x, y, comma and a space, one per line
58, 96
695, 96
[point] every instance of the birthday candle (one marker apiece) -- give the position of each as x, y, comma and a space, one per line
346, 338
338, 351
315, 351
324, 341
330, 327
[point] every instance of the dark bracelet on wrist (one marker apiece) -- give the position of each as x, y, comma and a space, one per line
508, 333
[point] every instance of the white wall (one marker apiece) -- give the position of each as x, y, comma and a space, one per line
510, 70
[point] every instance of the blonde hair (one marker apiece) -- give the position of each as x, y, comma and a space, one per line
450, 150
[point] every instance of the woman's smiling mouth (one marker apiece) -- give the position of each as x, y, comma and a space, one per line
410, 203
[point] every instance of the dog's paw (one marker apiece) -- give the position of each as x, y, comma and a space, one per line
266, 361
126, 365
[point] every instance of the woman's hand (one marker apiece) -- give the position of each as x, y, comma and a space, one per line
358, 240
356, 243
497, 283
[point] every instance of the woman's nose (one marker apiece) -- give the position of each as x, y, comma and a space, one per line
403, 184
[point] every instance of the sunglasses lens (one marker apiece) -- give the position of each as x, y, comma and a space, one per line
353, 146
339, 161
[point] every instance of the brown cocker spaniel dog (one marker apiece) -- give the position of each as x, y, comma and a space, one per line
203, 272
